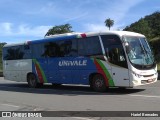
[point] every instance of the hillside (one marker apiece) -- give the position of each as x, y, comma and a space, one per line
149, 25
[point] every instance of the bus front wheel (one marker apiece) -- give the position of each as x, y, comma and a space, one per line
32, 81
98, 83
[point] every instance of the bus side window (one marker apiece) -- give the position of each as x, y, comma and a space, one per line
13, 53
27, 52
89, 46
68, 48
114, 50
37, 50
51, 50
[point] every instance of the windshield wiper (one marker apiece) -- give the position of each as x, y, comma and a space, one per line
147, 57
144, 52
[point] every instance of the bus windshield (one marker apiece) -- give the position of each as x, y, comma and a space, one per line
138, 51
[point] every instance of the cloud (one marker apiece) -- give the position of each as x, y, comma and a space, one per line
5, 28
12, 30
76, 17
94, 27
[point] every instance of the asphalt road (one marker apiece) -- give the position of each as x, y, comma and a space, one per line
18, 97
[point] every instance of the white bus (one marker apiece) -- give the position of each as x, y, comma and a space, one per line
101, 60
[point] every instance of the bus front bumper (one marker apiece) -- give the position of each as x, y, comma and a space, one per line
144, 80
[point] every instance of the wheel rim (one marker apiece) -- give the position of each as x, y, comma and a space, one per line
99, 83
32, 81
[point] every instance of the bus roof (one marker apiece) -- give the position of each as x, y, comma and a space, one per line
67, 36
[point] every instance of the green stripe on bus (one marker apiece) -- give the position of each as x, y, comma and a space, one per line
110, 80
42, 72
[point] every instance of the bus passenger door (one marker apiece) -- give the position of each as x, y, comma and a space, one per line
119, 66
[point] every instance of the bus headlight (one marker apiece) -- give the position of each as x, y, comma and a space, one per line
137, 75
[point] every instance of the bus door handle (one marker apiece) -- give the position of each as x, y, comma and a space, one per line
6, 64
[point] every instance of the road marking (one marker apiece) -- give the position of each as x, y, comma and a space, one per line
82, 118
145, 96
10, 105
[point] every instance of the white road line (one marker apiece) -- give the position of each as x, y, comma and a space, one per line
145, 96
10, 105
82, 118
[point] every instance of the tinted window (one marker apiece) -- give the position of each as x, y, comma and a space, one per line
13, 53
110, 40
51, 49
89, 46
27, 52
37, 50
17, 52
68, 48
61, 48
114, 50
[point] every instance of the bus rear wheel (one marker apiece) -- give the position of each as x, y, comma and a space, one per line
32, 81
98, 83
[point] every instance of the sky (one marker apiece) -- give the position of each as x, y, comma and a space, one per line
23, 20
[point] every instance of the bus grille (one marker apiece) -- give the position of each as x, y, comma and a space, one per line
148, 75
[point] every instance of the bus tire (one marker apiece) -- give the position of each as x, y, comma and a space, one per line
32, 81
98, 83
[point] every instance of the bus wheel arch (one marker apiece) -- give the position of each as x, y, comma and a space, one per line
97, 82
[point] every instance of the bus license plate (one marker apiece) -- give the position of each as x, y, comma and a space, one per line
150, 80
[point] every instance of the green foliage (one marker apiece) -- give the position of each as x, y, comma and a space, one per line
60, 29
155, 42
1, 46
149, 26
109, 23
140, 27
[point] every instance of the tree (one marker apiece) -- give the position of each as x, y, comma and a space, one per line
1, 46
149, 25
109, 23
141, 26
66, 28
